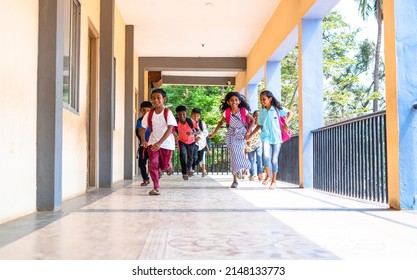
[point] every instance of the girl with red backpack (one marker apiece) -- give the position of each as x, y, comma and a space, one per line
238, 122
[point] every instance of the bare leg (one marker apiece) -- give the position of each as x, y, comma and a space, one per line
273, 181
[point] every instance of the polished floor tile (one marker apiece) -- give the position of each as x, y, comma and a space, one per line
203, 218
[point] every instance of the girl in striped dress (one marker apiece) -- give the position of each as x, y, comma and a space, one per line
239, 123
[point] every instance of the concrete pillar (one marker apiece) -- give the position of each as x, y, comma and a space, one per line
310, 94
49, 105
273, 78
253, 97
129, 104
106, 93
401, 83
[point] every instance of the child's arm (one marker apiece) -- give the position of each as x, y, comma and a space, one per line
287, 120
217, 127
208, 149
255, 130
252, 122
158, 144
142, 137
195, 130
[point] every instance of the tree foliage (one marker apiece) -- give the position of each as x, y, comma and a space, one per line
206, 98
347, 71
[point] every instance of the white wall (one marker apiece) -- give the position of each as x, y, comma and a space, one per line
74, 154
18, 94
118, 133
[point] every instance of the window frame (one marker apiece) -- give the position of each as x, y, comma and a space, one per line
71, 91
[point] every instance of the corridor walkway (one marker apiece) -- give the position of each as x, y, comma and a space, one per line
203, 218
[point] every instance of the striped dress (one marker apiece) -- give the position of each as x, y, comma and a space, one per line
236, 144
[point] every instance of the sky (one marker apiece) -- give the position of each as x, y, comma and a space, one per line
349, 10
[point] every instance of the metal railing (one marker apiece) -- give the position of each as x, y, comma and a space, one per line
216, 163
350, 158
288, 162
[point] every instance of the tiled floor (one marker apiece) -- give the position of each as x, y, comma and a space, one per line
203, 218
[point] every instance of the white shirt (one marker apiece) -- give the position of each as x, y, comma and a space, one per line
159, 126
201, 143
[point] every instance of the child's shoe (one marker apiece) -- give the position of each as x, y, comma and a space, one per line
145, 183
185, 177
154, 192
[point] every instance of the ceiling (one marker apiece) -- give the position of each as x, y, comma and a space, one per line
196, 28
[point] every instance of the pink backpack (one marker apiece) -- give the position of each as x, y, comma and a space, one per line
285, 134
242, 115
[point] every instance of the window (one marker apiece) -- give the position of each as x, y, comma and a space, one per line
72, 19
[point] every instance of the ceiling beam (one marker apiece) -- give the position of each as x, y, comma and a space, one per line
193, 80
192, 63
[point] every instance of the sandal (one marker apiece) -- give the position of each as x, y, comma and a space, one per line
273, 186
234, 185
145, 183
266, 181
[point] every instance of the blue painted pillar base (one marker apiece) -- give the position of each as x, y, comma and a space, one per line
312, 92
406, 57
253, 99
273, 78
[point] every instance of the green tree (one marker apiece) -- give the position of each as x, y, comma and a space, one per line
366, 7
346, 68
206, 98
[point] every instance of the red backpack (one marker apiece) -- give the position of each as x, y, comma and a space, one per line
242, 115
150, 115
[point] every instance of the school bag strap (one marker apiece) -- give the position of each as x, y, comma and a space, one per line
150, 115
242, 115
189, 122
200, 124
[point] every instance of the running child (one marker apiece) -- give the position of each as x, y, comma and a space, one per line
271, 137
161, 140
239, 123
186, 129
145, 106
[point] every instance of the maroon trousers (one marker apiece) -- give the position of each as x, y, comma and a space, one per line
158, 159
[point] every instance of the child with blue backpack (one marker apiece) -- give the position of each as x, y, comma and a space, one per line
239, 123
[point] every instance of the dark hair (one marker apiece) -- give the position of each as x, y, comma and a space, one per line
274, 101
181, 108
256, 111
243, 103
146, 104
159, 90
196, 111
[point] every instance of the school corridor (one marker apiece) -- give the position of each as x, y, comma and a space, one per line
203, 218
